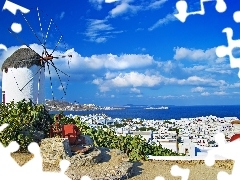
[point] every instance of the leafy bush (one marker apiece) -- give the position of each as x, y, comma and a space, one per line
24, 119
134, 146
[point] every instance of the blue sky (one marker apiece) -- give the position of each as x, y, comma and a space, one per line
133, 51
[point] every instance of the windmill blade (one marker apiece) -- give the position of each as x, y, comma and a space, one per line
57, 57
15, 80
57, 44
40, 24
59, 79
58, 69
33, 31
50, 78
31, 78
39, 79
19, 39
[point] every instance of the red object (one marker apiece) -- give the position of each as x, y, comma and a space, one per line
235, 137
73, 133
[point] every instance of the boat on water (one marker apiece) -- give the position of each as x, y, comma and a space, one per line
162, 107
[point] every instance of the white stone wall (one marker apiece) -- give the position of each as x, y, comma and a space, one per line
169, 145
34, 90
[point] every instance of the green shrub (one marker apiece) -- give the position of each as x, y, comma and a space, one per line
134, 146
24, 119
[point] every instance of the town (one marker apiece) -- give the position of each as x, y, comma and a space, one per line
55, 105
190, 136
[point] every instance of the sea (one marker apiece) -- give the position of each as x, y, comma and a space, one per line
173, 112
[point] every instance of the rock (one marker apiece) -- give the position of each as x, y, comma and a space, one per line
99, 163
88, 140
55, 149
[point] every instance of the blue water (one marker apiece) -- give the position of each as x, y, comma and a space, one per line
174, 112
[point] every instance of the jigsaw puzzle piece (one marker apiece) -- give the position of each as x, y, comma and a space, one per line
88, 178
159, 178
222, 51
182, 7
7, 161
236, 16
3, 126
221, 6
35, 162
223, 176
227, 150
177, 171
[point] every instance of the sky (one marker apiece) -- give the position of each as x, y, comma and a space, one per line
130, 51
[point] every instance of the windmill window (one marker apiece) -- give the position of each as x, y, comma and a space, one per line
3, 97
6, 70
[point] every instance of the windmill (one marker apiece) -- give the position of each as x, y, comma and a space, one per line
24, 71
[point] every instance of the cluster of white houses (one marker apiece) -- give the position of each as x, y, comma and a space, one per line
195, 135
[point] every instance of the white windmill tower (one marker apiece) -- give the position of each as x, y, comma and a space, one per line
23, 73
23, 77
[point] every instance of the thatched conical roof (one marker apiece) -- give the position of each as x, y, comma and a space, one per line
23, 57
235, 122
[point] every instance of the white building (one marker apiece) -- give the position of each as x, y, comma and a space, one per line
187, 148
23, 77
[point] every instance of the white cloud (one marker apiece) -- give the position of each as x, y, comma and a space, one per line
235, 85
110, 61
62, 15
194, 68
156, 4
124, 7
98, 30
195, 80
198, 89
220, 70
194, 54
112, 96
111, 1
97, 3
220, 93
167, 97
132, 79
174, 97
62, 86
163, 21
135, 90
167, 66
205, 94
135, 79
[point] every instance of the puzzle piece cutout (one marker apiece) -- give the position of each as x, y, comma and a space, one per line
12, 7
31, 169
222, 51
177, 171
182, 8
228, 151
236, 16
